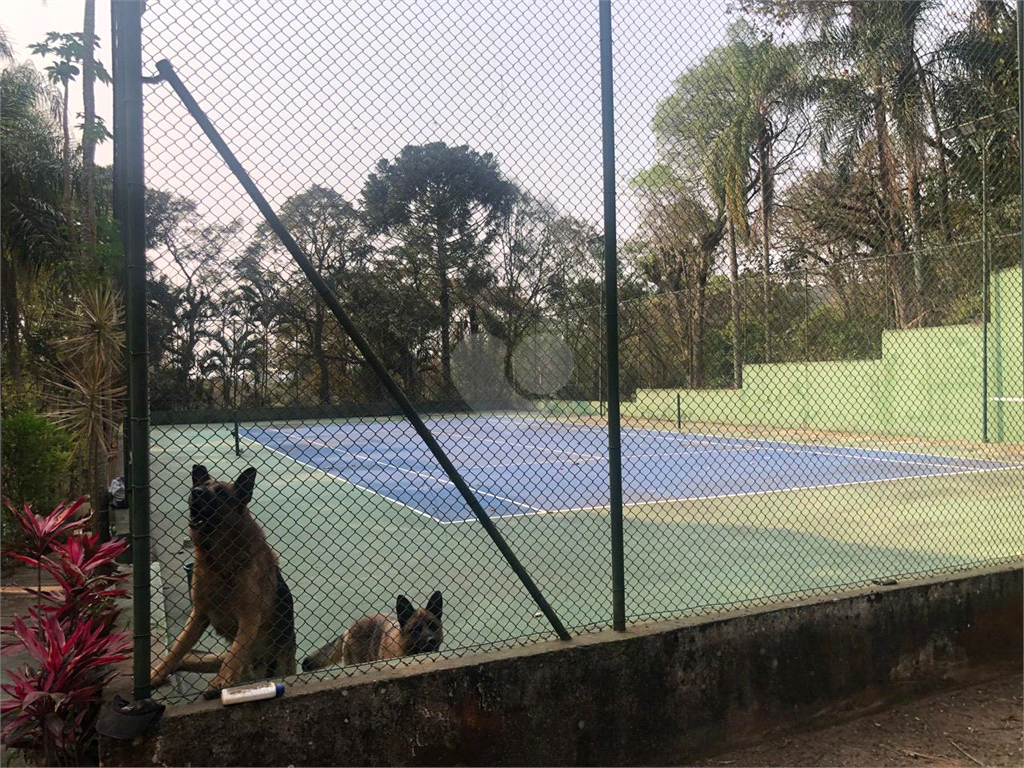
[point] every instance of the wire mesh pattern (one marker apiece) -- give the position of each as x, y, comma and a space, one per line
820, 345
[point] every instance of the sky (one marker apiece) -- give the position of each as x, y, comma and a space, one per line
318, 91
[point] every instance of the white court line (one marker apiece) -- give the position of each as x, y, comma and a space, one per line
772, 491
881, 457
423, 475
694, 442
841, 453
538, 513
538, 448
768, 492
339, 479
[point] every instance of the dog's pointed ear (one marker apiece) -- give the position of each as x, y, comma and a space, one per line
200, 474
404, 609
245, 484
434, 604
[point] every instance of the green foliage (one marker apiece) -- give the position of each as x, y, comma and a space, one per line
831, 336
449, 204
50, 706
32, 228
36, 464
441, 244
69, 50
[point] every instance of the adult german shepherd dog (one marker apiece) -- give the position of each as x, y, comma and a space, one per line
384, 636
236, 586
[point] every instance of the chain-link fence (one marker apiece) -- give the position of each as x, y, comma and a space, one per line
818, 316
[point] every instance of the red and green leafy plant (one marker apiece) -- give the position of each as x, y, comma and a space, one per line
40, 532
69, 634
37, 534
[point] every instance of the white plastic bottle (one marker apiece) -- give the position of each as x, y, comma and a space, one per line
252, 692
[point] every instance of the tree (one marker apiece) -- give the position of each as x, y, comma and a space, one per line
725, 120
32, 232
71, 50
828, 222
331, 233
93, 131
6, 49
449, 203
392, 303
681, 235
977, 77
869, 92
882, 100
538, 256
186, 305
258, 301
234, 350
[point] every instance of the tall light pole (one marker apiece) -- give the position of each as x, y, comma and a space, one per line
972, 131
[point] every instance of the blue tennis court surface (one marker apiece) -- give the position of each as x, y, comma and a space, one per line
523, 466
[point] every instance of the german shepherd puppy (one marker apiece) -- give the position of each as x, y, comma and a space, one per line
236, 586
384, 636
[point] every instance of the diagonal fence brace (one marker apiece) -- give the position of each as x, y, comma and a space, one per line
167, 73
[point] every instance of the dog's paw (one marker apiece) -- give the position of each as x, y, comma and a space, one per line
157, 678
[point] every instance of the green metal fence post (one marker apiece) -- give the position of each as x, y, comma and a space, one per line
612, 320
1020, 128
984, 286
126, 22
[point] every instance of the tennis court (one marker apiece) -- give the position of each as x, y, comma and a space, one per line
524, 466
358, 512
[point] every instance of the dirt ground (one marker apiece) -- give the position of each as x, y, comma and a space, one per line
976, 726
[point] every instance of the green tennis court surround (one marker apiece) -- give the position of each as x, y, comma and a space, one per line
926, 385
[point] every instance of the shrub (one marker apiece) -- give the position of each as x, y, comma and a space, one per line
35, 461
52, 709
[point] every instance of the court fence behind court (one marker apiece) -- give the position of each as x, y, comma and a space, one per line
576, 314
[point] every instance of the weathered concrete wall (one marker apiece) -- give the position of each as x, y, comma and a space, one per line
663, 693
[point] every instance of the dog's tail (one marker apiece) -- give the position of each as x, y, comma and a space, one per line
327, 656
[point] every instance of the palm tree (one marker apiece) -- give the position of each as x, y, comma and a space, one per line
233, 354
75, 54
869, 92
977, 76
726, 120
6, 49
31, 221
92, 129
62, 72
259, 295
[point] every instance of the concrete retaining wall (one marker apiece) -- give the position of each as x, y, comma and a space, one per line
664, 693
